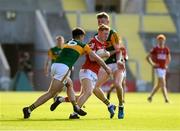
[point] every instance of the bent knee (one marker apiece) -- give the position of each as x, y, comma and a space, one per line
88, 94
118, 84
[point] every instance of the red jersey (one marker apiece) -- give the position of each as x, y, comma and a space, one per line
95, 45
160, 56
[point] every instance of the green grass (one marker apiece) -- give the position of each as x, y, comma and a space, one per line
139, 114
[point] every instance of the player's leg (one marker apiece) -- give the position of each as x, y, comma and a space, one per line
157, 86
102, 78
88, 80
88, 90
124, 86
112, 87
71, 97
61, 99
154, 90
74, 115
118, 79
55, 86
163, 86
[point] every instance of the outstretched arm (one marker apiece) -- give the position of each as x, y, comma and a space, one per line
100, 62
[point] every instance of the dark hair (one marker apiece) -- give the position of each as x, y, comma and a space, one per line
102, 15
77, 32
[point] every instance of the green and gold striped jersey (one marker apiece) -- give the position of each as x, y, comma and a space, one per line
113, 39
71, 52
53, 53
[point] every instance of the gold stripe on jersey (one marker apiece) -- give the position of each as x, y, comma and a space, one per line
114, 39
50, 54
79, 49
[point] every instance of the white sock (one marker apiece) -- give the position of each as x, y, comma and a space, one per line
61, 99
29, 110
74, 113
121, 105
109, 105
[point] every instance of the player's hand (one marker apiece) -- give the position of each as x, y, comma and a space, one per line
121, 64
108, 70
155, 65
166, 66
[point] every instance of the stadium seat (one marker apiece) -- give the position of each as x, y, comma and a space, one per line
156, 6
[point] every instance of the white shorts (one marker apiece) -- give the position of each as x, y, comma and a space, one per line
114, 67
161, 73
59, 70
86, 73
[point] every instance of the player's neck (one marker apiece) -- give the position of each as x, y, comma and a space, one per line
78, 39
99, 39
161, 46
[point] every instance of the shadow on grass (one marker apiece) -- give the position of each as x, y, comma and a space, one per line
54, 119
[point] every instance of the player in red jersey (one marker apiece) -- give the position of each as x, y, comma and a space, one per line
90, 69
159, 57
112, 87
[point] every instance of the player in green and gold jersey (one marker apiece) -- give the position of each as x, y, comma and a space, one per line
53, 53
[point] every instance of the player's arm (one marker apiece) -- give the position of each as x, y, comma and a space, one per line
116, 41
100, 62
98, 59
149, 60
112, 52
47, 63
103, 54
168, 59
126, 55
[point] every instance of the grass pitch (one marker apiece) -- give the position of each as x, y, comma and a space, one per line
139, 114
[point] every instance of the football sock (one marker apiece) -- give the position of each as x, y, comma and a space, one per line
106, 102
62, 99
31, 108
66, 99
121, 105
74, 113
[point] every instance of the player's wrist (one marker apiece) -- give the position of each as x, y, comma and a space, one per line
120, 61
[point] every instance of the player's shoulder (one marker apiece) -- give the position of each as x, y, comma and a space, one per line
155, 47
112, 31
93, 39
167, 48
76, 42
53, 48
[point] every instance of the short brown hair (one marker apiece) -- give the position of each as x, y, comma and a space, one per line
102, 15
103, 27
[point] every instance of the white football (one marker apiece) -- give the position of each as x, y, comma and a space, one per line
101, 52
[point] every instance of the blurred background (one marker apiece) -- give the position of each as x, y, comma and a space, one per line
28, 29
